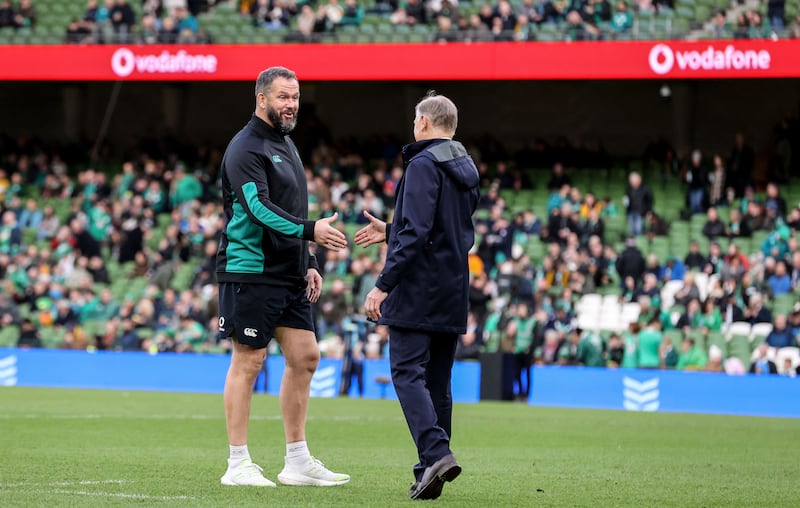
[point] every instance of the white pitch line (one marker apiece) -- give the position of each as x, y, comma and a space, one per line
143, 497
64, 484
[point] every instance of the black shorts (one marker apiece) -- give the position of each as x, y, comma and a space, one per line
251, 312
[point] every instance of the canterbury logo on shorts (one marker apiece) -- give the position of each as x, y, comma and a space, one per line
250, 332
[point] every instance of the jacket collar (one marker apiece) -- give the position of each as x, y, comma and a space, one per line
264, 129
412, 149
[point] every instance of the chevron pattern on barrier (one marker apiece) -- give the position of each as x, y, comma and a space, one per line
640, 395
325, 383
8, 371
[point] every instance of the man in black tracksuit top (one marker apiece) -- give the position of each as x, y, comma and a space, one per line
268, 279
422, 292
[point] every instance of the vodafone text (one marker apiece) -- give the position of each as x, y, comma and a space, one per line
663, 58
124, 62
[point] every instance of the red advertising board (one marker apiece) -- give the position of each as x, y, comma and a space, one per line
453, 61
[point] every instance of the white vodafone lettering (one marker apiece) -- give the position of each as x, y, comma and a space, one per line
124, 62
250, 332
222, 323
662, 59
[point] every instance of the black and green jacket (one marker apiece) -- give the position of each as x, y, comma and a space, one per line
265, 240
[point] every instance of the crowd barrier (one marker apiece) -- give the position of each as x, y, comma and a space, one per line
668, 391
577, 387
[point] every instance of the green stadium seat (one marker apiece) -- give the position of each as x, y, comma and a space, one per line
52, 337
739, 347
717, 339
675, 337
183, 277
702, 13
783, 304
9, 335
402, 29
419, 37
93, 328
685, 11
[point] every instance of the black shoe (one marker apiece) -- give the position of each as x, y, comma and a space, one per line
430, 485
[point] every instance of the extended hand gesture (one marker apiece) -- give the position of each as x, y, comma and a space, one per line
327, 235
372, 233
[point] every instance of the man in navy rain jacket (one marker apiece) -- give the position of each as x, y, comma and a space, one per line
421, 294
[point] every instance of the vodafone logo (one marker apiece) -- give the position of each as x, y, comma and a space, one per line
663, 58
122, 62
125, 62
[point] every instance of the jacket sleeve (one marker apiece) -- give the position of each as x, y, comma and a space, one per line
249, 183
420, 199
312, 262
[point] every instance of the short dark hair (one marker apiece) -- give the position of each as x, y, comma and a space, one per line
265, 79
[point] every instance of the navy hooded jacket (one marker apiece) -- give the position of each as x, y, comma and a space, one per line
426, 272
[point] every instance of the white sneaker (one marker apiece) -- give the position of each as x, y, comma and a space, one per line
313, 473
246, 473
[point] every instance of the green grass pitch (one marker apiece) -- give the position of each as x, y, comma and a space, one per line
104, 448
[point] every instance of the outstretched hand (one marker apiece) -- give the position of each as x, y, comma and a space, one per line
372, 233
327, 235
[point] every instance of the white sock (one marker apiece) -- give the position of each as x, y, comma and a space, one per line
297, 453
238, 455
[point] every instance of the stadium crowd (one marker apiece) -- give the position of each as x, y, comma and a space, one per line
124, 259
179, 21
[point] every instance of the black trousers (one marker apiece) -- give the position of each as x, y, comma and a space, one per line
523, 361
422, 363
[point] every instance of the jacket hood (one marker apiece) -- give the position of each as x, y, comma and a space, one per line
450, 155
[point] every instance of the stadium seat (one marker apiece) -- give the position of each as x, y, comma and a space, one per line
702, 13
784, 353
701, 281
668, 293
589, 321
783, 304
630, 313
52, 337
419, 37
589, 301
93, 328
717, 339
740, 329
675, 337
9, 335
